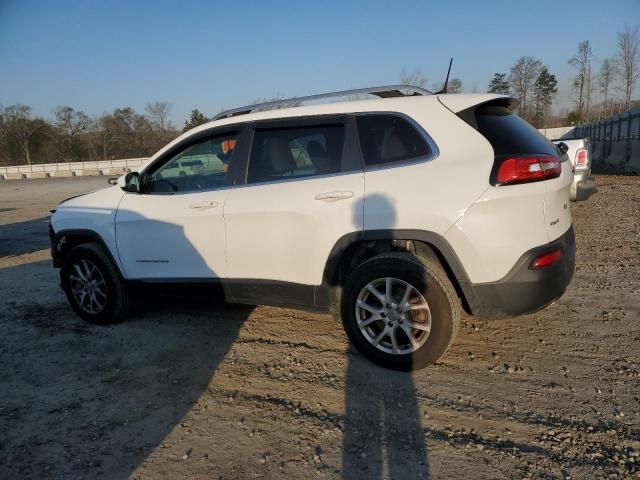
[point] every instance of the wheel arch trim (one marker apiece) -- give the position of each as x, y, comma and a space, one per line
57, 249
437, 241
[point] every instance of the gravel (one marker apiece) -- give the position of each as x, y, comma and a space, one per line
189, 388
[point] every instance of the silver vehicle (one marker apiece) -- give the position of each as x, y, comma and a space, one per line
578, 151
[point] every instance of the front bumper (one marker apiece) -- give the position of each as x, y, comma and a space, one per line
52, 241
524, 290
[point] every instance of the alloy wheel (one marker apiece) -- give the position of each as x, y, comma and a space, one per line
88, 286
393, 316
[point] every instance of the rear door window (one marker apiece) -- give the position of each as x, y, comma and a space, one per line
387, 139
296, 152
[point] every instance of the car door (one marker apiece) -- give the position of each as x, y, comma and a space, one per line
174, 228
304, 190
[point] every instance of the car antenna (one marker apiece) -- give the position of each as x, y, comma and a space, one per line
446, 81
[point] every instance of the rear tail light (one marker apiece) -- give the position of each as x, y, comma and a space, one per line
582, 158
546, 260
527, 169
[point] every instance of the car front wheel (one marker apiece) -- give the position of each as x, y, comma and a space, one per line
93, 285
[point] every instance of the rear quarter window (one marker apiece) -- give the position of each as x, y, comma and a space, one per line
507, 133
386, 139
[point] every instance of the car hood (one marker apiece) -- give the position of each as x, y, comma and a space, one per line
104, 198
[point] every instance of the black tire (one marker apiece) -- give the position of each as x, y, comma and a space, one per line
431, 282
116, 304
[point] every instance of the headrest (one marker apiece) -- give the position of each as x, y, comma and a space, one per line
280, 155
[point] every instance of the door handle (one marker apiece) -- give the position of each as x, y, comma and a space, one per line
334, 196
207, 204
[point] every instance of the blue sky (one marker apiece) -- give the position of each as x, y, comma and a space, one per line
101, 55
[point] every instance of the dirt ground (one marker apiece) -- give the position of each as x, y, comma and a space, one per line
192, 389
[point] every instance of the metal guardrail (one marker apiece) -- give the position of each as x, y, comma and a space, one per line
71, 169
623, 126
615, 141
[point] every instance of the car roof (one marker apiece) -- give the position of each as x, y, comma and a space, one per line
455, 102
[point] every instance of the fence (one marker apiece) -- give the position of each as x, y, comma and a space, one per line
72, 169
615, 141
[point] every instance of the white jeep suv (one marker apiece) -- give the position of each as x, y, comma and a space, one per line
394, 213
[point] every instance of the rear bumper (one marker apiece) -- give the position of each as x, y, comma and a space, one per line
583, 187
524, 290
586, 188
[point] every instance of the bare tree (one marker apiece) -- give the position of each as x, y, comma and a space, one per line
454, 86
522, 76
628, 60
21, 130
605, 78
414, 77
589, 88
69, 124
108, 138
582, 62
158, 113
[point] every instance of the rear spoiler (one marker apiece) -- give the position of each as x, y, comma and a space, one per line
459, 102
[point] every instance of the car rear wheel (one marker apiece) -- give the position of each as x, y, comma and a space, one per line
93, 285
399, 311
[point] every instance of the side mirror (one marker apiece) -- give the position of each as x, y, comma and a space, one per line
562, 147
132, 182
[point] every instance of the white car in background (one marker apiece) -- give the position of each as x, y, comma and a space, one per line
393, 213
579, 152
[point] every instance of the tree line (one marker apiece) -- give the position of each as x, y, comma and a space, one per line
596, 94
71, 135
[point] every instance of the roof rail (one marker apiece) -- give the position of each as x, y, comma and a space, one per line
386, 91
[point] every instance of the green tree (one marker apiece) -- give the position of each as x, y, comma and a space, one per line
544, 90
196, 119
572, 118
499, 84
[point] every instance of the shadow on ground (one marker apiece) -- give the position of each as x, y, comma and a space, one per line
24, 237
383, 435
80, 401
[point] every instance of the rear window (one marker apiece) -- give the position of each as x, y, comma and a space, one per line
507, 133
389, 138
